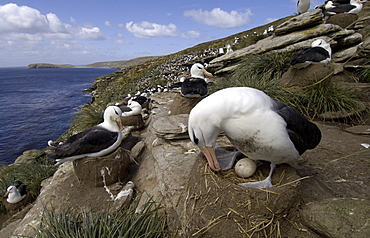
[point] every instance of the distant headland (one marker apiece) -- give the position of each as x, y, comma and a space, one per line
107, 64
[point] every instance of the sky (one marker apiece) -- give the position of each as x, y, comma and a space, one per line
82, 32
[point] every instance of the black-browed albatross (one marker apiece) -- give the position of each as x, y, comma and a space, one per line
354, 7
257, 125
196, 85
96, 141
320, 52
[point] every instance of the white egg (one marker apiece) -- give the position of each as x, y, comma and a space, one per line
245, 167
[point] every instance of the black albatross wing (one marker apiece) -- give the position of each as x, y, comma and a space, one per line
89, 141
303, 133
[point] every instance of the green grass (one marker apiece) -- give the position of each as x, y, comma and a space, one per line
149, 222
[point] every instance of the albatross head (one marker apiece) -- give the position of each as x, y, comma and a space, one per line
112, 116
198, 71
204, 134
323, 44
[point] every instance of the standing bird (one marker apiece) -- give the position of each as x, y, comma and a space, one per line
355, 6
16, 194
320, 52
96, 141
196, 85
257, 125
303, 6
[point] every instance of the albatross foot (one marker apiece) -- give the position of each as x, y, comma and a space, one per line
226, 158
259, 184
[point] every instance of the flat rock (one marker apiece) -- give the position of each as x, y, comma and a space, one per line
302, 21
338, 217
172, 127
359, 130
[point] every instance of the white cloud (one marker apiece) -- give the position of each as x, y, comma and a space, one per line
19, 23
220, 18
90, 33
147, 30
107, 23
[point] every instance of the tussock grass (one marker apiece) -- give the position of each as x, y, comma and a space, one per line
148, 222
264, 71
28, 173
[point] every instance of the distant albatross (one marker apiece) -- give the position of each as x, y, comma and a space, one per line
320, 52
257, 125
96, 141
355, 6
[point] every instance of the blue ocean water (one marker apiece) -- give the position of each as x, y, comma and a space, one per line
37, 105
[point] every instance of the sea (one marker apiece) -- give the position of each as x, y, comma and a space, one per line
37, 105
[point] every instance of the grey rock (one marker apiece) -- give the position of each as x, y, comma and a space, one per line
172, 127
302, 21
338, 217
345, 54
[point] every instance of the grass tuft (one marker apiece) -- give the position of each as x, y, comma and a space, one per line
148, 221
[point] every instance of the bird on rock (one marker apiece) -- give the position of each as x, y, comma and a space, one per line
96, 141
15, 194
133, 108
303, 6
320, 52
257, 125
196, 85
354, 7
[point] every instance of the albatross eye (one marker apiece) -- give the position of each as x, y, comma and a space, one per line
116, 112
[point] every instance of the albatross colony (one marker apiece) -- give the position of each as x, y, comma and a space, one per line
257, 125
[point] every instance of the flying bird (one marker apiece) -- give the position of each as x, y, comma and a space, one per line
96, 141
258, 126
196, 85
320, 52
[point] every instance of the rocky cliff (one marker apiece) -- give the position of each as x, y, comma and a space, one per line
324, 194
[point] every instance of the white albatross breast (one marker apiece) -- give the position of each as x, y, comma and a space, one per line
257, 125
96, 141
303, 6
16, 194
320, 52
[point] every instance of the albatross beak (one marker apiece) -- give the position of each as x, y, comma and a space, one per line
119, 123
6, 194
211, 158
206, 73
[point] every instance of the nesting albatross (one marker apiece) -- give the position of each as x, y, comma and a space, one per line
257, 125
96, 141
196, 85
320, 52
15, 194
354, 7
